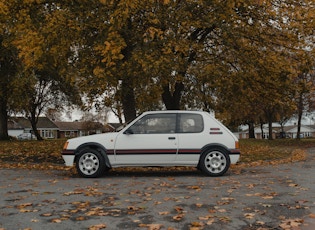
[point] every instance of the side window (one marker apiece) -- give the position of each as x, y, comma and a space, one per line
155, 123
190, 123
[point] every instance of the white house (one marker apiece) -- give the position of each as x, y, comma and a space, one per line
306, 131
19, 125
289, 132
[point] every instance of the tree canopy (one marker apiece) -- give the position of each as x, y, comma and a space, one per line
240, 58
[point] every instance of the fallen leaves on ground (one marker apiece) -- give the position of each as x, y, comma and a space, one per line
151, 226
291, 223
97, 227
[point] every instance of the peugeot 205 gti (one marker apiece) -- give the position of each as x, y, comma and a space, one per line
157, 138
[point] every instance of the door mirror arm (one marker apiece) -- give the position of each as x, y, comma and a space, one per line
128, 131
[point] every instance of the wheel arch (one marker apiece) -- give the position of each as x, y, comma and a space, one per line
213, 146
96, 146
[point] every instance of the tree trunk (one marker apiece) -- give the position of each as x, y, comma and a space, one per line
172, 100
251, 130
262, 130
3, 121
269, 114
128, 99
270, 129
300, 113
33, 121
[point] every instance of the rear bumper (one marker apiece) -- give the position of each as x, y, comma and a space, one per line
234, 155
68, 157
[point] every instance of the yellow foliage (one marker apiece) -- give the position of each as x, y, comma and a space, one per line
32, 1
165, 2
228, 54
30, 45
3, 8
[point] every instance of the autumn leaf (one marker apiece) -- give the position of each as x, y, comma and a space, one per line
72, 193
97, 227
151, 226
211, 221
46, 214
196, 225
178, 217
293, 185
267, 197
198, 205
164, 213
222, 210
194, 187
205, 217
21, 206
80, 218
178, 209
249, 215
212, 211
56, 220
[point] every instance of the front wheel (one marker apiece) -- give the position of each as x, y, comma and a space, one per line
90, 163
214, 162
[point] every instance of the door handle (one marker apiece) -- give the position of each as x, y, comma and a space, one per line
171, 138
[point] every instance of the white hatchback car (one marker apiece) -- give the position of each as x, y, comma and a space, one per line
157, 138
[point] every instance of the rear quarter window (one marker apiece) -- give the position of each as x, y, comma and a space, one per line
190, 123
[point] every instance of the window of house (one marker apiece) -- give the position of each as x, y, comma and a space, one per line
47, 133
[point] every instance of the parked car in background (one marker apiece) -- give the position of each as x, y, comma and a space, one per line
158, 138
26, 136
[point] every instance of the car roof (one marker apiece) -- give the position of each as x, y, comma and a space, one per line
174, 111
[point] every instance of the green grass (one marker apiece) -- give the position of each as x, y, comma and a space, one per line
22, 153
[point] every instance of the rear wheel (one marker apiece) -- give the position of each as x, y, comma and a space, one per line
90, 163
214, 162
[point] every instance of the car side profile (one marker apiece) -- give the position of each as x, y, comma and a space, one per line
157, 138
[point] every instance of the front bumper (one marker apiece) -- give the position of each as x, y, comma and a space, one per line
68, 157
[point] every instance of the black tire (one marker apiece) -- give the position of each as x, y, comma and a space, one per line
214, 162
90, 163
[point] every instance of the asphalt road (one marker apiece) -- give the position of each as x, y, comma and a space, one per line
268, 197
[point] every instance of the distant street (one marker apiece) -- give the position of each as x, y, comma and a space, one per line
269, 197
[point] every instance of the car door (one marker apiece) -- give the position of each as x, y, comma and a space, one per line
191, 138
152, 140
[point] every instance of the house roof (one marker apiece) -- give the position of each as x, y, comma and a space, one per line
12, 124
77, 125
23, 123
115, 125
293, 129
69, 126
